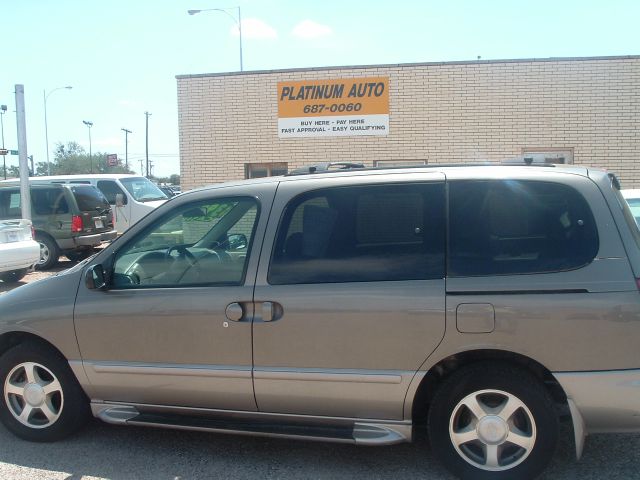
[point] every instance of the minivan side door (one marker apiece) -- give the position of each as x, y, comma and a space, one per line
350, 293
174, 327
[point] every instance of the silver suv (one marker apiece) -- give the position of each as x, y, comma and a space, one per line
485, 302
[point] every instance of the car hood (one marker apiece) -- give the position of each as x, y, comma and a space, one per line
155, 203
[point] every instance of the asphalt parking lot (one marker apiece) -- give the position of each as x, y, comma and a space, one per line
123, 453
128, 453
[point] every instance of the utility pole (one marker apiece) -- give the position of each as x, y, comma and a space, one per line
21, 124
141, 167
3, 109
126, 147
147, 114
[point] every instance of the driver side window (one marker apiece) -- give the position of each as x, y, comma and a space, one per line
201, 243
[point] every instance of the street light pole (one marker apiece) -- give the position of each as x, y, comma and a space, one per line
3, 110
238, 22
126, 147
146, 140
45, 96
89, 125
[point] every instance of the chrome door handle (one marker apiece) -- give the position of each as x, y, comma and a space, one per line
234, 312
271, 311
267, 311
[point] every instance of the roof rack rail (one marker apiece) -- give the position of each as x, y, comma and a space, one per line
527, 161
325, 167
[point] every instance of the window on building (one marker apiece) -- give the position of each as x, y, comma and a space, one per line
361, 234
548, 155
259, 170
399, 163
518, 227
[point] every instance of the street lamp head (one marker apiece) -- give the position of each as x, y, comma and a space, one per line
87, 123
193, 12
68, 87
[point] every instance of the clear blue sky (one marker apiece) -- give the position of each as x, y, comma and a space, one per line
121, 56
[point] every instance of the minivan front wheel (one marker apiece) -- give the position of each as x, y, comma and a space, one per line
41, 399
489, 421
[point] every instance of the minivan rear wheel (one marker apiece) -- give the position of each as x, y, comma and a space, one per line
41, 398
49, 252
490, 421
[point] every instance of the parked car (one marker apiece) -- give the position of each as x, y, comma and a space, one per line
167, 190
486, 302
131, 197
632, 197
69, 220
18, 251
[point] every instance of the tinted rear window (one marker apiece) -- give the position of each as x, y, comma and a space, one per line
89, 198
518, 227
10, 204
362, 234
49, 201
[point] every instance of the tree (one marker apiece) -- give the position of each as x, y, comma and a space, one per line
13, 171
71, 159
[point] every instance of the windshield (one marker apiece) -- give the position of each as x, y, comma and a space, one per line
89, 198
142, 189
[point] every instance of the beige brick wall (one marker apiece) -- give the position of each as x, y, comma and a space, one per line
442, 113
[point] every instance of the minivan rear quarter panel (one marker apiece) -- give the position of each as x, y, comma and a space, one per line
577, 320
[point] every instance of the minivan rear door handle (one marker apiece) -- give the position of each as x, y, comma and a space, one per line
271, 311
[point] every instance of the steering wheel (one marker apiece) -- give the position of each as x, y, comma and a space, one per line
183, 252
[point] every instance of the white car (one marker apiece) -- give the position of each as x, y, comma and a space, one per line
19, 252
632, 196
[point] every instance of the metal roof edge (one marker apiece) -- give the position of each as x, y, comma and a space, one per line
418, 64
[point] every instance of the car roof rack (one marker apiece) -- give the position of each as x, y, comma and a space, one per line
344, 166
325, 167
527, 161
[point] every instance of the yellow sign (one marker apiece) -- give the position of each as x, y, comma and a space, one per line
340, 107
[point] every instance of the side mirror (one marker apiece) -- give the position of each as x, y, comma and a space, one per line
119, 200
94, 278
237, 241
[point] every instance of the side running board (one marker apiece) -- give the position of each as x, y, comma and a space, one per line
362, 433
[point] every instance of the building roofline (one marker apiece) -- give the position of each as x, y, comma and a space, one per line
419, 64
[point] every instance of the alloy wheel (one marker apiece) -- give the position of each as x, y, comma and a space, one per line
492, 430
34, 395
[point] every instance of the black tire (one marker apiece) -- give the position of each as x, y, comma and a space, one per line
487, 382
13, 276
79, 255
68, 402
49, 252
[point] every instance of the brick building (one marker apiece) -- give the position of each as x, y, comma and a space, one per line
584, 111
